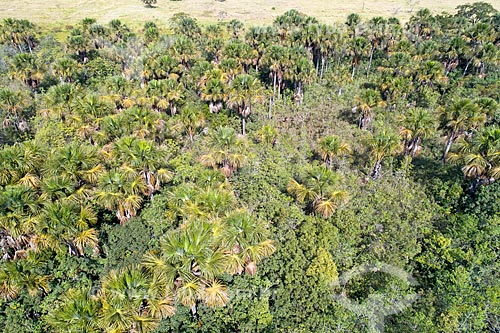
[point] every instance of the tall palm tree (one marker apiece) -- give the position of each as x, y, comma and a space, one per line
224, 151
480, 156
247, 239
461, 116
191, 119
418, 125
376, 28
319, 189
143, 158
367, 102
244, 92
356, 48
121, 190
189, 263
382, 144
331, 148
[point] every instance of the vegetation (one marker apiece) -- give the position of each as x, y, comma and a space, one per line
223, 178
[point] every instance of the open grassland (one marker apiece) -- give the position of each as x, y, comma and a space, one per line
249, 11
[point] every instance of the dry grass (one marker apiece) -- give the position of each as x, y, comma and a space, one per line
250, 11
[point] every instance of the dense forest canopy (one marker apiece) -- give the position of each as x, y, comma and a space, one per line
234, 178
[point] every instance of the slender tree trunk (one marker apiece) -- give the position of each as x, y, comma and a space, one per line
271, 100
376, 170
274, 85
194, 312
279, 87
448, 146
416, 143
269, 112
243, 125
467, 67
371, 58
322, 68
353, 69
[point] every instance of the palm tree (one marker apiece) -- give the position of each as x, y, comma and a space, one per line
121, 190
213, 89
480, 156
59, 100
189, 263
368, 101
300, 71
245, 91
247, 239
143, 158
67, 225
19, 208
376, 28
268, 134
13, 105
418, 125
78, 311
352, 22
430, 73
126, 302
461, 116
273, 59
27, 68
382, 144
79, 163
21, 34
319, 189
191, 120
224, 152
356, 48
19, 275
66, 69
330, 148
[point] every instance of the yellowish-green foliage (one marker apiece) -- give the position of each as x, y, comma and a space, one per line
323, 267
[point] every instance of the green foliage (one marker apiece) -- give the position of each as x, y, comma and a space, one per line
129, 202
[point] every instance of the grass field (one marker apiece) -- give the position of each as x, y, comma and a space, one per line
250, 11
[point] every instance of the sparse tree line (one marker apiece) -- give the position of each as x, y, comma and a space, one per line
144, 175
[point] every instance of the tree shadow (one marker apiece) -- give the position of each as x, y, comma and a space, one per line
425, 168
